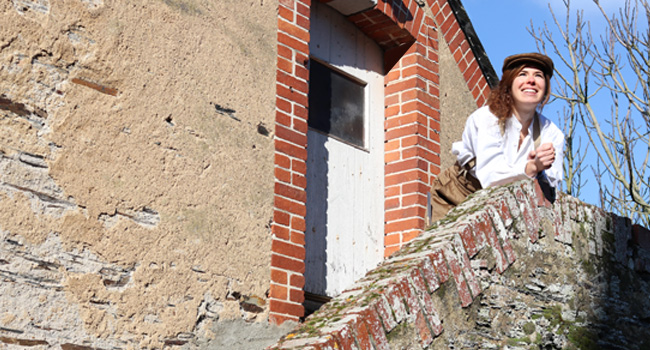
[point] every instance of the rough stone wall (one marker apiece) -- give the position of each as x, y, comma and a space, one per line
136, 169
504, 270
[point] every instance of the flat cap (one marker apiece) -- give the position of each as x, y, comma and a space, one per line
537, 59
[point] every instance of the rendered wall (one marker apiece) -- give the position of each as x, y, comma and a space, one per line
504, 270
136, 169
456, 104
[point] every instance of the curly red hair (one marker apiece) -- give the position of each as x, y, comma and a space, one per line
500, 100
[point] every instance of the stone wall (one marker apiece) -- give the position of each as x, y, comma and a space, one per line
506, 269
136, 169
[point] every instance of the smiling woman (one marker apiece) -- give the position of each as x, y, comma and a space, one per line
509, 139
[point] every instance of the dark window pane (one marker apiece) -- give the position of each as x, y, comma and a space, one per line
336, 104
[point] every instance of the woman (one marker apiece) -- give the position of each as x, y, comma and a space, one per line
499, 135
498, 145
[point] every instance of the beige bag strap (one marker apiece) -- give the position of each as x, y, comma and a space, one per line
536, 137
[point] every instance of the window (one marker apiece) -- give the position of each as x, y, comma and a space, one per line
336, 104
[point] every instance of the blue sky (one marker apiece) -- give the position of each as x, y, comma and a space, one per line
502, 26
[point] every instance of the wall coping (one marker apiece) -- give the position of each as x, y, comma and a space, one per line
400, 289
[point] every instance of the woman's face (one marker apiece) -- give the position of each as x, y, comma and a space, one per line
528, 88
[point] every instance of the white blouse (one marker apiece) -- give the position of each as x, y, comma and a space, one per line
498, 161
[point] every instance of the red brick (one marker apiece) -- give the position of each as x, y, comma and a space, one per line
296, 295
446, 26
296, 194
419, 199
303, 22
394, 297
406, 177
298, 223
406, 130
298, 237
404, 213
283, 118
299, 180
421, 107
392, 239
466, 266
278, 292
408, 236
285, 308
406, 165
362, 336
291, 81
388, 250
457, 274
290, 149
429, 275
493, 241
285, 52
288, 3
301, 71
469, 73
282, 161
278, 276
300, 125
390, 157
410, 153
288, 249
344, 337
290, 94
405, 225
297, 281
300, 112
458, 36
281, 232
282, 104
383, 309
466, 236
282, 218
410, 297
285, 65
404, 84
415, 187
285, 13
282, 175
293, 43
289, 264
440, 265
371, 319
391, 203
428, 307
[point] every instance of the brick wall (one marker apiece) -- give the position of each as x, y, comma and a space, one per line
567, 256
288, 248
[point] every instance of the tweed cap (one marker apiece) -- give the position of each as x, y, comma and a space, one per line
537, 59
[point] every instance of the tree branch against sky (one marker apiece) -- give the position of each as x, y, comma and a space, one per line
605, 86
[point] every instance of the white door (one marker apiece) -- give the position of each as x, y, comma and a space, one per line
345, 162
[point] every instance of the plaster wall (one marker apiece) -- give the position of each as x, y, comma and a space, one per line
136, 169
456, 103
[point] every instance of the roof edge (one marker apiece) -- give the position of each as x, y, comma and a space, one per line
475, 44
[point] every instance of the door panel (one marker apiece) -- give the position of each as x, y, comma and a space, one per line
345, 183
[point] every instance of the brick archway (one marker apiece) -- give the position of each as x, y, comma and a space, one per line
407, 31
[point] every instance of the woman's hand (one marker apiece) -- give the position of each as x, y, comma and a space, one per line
540, 159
